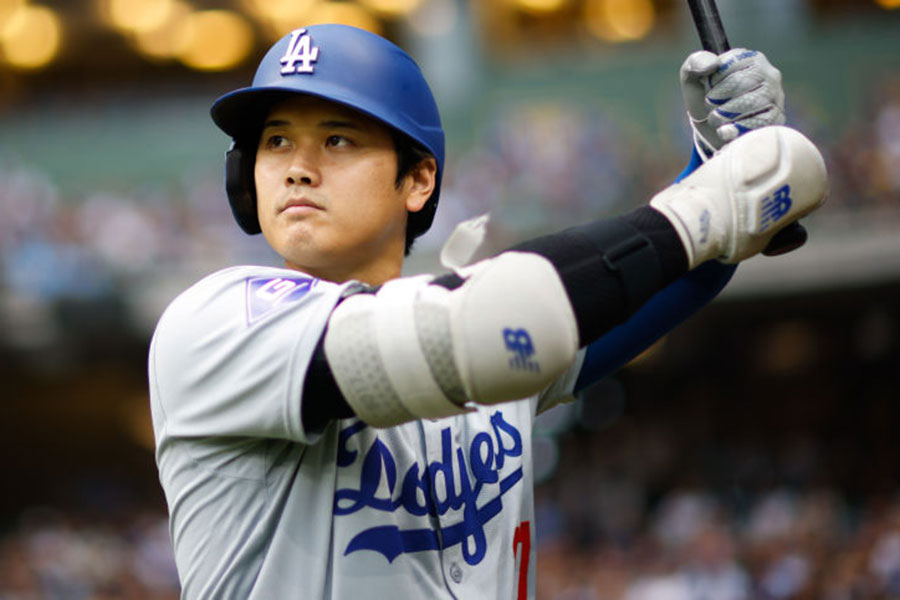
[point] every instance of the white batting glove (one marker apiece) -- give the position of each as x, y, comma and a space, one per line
730, 94
732, 205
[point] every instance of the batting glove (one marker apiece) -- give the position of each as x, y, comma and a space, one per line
730, 94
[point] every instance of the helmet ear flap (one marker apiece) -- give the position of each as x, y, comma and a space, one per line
239, 185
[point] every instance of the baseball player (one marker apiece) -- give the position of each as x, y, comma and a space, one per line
331, 429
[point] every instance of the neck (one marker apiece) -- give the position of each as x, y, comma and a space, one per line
372, 274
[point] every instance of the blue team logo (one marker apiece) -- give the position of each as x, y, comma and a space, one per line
521, 348
267, 295
775, 206
416, 491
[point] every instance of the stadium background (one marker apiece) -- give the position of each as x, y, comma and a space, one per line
753, 453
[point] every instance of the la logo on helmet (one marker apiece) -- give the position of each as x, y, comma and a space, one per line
300, 54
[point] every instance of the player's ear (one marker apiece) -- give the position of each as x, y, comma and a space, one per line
419, 184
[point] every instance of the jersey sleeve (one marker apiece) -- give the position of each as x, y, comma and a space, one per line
229, 356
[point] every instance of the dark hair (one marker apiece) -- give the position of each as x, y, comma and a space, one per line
410, 154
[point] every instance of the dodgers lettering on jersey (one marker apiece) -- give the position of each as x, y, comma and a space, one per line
431, 490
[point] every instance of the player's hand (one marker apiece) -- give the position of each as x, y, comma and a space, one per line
730, 94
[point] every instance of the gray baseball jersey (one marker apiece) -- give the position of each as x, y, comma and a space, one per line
262, 508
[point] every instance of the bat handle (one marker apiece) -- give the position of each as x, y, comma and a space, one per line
709, 26
790, 238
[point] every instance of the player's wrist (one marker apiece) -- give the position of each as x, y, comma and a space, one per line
690, 209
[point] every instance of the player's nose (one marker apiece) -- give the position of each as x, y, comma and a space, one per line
304, 169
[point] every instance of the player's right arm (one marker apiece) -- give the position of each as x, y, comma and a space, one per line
507, 327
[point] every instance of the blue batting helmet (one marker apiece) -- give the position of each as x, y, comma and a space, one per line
343, 64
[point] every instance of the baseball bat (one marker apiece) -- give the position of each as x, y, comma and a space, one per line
713, 38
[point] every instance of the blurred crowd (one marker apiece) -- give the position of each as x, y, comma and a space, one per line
863, 163
695, 546
54, 247
626, 516
85, 555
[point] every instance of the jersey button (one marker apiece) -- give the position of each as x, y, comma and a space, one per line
456, 573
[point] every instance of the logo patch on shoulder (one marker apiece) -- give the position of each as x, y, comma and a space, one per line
267, 295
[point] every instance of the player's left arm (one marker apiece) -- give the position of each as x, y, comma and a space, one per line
725, 96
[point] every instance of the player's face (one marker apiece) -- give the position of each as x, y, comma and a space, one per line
327, 196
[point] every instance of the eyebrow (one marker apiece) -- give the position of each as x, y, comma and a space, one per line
327, 124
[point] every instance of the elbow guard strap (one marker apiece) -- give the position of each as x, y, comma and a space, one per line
415, 350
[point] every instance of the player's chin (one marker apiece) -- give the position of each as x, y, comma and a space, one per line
294, 224
314, 247
293, 239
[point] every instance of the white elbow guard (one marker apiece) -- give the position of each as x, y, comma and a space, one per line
415, 350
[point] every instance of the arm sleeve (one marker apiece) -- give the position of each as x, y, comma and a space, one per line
662, 313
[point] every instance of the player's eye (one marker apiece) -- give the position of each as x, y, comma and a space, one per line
275, 140
337, 141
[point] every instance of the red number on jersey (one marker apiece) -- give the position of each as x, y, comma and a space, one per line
522, 537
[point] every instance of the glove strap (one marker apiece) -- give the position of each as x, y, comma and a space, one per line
704, 149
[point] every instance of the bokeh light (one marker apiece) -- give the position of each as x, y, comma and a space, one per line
539, 6
392, 8
344, 13
280, 11
7, 8
136, 15
215, 40
30, 36
619, 20
167, 40
888, 4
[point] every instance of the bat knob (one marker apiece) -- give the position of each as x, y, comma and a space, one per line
788, 239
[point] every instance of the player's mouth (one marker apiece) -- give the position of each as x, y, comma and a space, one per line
299, 206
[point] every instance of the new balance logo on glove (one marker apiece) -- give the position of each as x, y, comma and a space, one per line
774, 207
